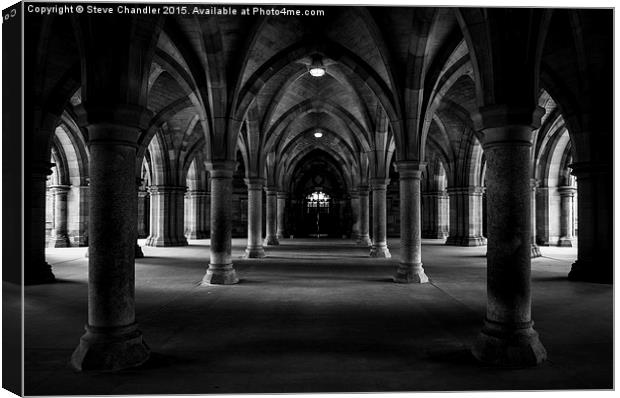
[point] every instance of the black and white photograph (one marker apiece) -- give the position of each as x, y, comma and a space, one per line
287, 198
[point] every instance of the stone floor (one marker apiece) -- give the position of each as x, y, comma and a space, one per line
318, 316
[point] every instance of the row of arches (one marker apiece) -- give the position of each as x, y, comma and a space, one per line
399, 86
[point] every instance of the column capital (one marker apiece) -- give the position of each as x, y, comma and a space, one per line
567, 191
282, 195
254, 184
469, 190
128, 115
196, 193
271, 189
59, 188
379, 183
507, 124
408, 169
362, 189
161, 189
41, 169
220, 168
534, 184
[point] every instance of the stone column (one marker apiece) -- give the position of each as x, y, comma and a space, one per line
138, 253
143, 214
270, 217
542, 216
355, 215
281, 205
196, 220
36, 269
255, 218
364, 231
508, 337
410, 269
566, 216
59, 236
595, 211
379, 218
535, 250
167, 216
221, 271
112, 340
465, 216
434, 220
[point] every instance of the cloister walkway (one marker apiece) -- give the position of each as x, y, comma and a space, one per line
314, 316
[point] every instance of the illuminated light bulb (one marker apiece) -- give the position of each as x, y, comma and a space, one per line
318, 134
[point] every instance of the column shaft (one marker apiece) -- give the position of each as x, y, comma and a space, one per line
281, 211
434, 220
255, 218
270, 217
566, 216
112, 340
410, 269
466, 216
59, 235
508, 337
535, 250
594, 209
379, 221
167, 216
363, 238
195, 223
36, 269
221, 271
143, 214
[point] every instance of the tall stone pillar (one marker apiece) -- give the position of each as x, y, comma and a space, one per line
196, 220
36, 269
542, 216
566, 216
59, 234
143, 213
270, 217
434, 216
364, 231
281, 228
355, 215
167, 216
535, 250
410, 269
379, 218
255, 218
112, 340
138, 253
595, 210
465, 216
220, 270
508, 337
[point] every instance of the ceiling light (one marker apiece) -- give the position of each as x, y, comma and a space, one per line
316, 68
318, 134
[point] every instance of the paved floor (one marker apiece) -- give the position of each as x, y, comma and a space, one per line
318, 316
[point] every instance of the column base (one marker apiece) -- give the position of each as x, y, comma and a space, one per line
59, 241
220, 275
110, 349
466, 241
566, 242
271, 241
535, 251
582, 271
279, 236
410, 273
254, 252
163, 242
39, 275
509, 345
380, 252
138, 251
363, 241
198, 235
